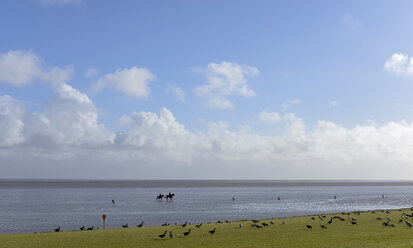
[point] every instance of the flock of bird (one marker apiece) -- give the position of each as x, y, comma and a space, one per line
260, 224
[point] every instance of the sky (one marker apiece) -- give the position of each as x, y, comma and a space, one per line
308, 90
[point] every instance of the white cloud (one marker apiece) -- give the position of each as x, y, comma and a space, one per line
60, 2
223, 80
269, 117
133, 82
20, 67
290, 103
67, 138
91, 72
176, 91
399, 64
332, 104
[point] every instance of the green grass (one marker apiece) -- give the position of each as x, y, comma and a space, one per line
369, 232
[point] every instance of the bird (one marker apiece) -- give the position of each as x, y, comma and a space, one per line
388, 218
240, 225
140, 225
125, 226
57, 229
90, 228
113, 202
272, 222
171, 236
82, 228
408, 223
184, 225
354, 223
198, 225
264, 224
255, 221
187, 233
323, 227
233, 199
312, 218
162, 235
284, 222
278, 198
330, 221
212, 231
309, 227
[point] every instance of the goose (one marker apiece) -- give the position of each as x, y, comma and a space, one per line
162, 235
212, 231
187, 233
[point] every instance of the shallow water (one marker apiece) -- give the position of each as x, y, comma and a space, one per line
37, 206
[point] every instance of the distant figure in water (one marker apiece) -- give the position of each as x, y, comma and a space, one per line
113, 202
233, 199
382, 196
335, 197
278, 198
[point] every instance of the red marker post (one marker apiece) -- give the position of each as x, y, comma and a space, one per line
104, 221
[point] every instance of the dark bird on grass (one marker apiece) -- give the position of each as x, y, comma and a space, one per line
385, 223
90, 228
255, 221
165, 224
330, 221
312, 218
408, 223
264, 224
309, 227
125, 226
57, 229
354, 223
373, 212
323, 227
378, 218
82, 228
162, 235
272, 222
171, 236
187, 233
140, 225
401, 220
284, 222
240, 225
219, 222
388, 218
184, 225
212, 231
198, 226
113, 202
387, 212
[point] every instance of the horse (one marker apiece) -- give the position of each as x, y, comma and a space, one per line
169, 196
159, 197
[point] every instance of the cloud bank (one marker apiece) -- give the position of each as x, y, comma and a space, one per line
68, 138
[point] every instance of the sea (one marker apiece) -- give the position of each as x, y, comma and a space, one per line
28, 206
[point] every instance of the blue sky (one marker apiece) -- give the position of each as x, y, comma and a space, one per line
318, 61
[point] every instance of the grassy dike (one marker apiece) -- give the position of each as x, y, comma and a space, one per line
369, 232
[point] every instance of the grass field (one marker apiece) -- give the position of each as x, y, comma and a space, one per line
369, 232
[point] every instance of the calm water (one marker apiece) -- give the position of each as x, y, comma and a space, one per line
37, 206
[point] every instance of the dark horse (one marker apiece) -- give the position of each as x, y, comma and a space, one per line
169, 196
159, 197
